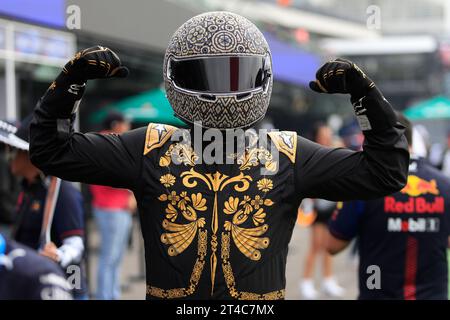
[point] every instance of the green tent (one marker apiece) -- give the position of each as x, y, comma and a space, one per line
150, 106
436, 108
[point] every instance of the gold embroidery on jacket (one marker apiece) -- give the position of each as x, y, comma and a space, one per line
215, 182
249, 240
167, 180
286, 142
179, 153
265, 184
180, 236
157, 134
253, 157
230, 280
195, 276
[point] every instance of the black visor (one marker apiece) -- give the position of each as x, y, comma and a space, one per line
221, 74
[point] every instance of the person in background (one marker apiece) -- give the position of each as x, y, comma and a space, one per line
323, 209
25, 275
403, 237
67, 229
9, 184
446, 158
113, 214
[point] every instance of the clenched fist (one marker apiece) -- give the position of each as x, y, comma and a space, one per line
342, 76
95, 63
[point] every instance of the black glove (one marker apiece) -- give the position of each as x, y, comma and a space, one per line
95, 63
342, 76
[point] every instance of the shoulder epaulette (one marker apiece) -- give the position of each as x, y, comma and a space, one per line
157, 135
286, 142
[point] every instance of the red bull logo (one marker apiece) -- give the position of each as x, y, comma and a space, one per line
417, 186
414, 205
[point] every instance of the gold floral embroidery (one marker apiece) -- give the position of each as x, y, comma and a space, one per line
253, 157
172, 213
215, 182
167, 180
246, 203
231, 205
248, 240
183, 206
231, 283
188, 205
165, 160
179, 153
257, 202
195, 275
258, 217
180, 236
171, 197
265, 185
246, 207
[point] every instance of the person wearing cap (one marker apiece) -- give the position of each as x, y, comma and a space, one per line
67, 230
25, 275
112, 209
9, 184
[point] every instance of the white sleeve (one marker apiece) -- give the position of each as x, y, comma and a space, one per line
71, 251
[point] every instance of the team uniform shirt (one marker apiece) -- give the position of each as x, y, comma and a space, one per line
217, 231
68, 219
24, 275
404, 234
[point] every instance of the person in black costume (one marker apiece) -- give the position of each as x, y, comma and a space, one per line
218, 230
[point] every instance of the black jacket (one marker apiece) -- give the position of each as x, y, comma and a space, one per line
221, 230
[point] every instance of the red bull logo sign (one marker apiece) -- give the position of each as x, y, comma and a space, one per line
417, 186
414, 205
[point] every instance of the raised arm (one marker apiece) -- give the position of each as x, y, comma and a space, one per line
341, 174
56, 149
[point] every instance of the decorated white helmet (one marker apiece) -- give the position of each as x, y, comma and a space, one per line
218, 71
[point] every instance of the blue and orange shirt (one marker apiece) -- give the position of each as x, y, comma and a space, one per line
404, 234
